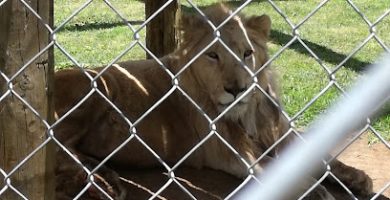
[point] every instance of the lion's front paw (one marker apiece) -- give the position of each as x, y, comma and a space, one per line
355, 179
359, 183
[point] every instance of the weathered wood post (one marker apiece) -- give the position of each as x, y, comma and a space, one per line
21, 37
162, 35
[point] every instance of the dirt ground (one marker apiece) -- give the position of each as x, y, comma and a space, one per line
211, 184
373, 159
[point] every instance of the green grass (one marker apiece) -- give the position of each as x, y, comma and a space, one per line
96, 36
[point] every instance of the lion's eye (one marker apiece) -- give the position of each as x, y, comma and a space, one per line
212, 55
248, 53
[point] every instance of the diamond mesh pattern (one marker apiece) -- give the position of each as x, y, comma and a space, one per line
176, 87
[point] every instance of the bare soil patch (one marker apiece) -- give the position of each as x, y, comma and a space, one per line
212, 184
374, 159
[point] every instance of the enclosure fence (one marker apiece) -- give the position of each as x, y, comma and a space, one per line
326, 132
9, 90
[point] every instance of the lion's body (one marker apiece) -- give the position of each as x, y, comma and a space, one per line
140, 99
175, 126
171, 129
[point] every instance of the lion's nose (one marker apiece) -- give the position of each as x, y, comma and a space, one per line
235, 90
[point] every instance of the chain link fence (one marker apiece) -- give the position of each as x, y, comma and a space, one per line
9, 80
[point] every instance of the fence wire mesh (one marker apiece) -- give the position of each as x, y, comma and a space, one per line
137, 41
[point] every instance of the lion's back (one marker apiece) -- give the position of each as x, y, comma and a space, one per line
101, 105
133, 85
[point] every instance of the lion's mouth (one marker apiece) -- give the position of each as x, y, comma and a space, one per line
228, 104
233, 106
233, 112
236, 107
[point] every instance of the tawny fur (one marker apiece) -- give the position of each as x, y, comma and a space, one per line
175, 126
95, 128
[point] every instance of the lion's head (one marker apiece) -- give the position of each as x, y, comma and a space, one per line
219, 69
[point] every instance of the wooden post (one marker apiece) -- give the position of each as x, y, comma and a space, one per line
21, 37
161, 33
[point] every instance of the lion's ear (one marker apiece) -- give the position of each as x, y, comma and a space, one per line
190, 21
261, 24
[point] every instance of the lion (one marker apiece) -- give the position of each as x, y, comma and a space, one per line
184, 107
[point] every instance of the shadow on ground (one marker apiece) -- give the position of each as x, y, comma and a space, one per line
202, 183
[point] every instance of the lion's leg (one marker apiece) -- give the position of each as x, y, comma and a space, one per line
318, 193
71, 178
356, 180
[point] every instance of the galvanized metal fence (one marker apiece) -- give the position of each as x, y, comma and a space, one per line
332, 82
326, 132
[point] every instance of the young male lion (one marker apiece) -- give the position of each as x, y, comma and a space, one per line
181, 101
